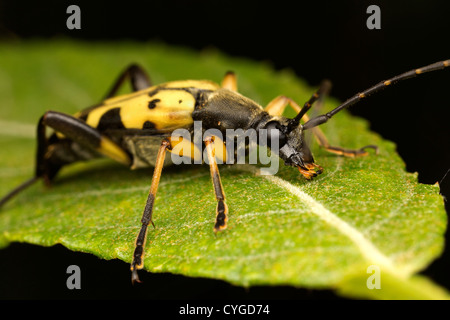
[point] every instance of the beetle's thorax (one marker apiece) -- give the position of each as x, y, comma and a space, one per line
224, 109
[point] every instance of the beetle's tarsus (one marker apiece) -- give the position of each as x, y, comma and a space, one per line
134, 271
221, 216
219, 227
18, 189
370, 147
135, 276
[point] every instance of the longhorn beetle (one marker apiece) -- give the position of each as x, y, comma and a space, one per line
135, 129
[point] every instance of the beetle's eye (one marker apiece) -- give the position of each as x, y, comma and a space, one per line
274, 133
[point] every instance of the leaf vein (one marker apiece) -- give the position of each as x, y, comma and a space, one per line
367, 249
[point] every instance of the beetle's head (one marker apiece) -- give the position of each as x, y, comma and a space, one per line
292, 147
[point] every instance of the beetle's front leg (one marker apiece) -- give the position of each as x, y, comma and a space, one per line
138, 261
279, 104
222, 208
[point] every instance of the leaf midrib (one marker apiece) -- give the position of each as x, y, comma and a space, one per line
367, 249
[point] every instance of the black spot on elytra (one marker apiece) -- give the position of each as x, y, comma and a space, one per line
152, 103
110, 120
180, 101
148, 125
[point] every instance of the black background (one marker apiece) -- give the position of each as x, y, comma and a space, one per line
323, 39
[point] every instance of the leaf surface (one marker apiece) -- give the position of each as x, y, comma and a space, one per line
324, 233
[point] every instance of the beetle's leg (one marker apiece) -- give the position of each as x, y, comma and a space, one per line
18, 189
43, 168
229, 81
277, 106
138, 261
222, 208
138, 77
78, 131
48, 164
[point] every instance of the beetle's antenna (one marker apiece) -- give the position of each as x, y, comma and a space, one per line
324, 88
381, 85
18, 189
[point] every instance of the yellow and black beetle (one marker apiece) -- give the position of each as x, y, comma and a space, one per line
135, 129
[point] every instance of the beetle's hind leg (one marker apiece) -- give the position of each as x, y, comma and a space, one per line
138, 261
137, 76
222, 208
69, 127
48, 156
17, 190
277, 106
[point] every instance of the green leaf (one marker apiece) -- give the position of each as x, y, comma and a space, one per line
324, 233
